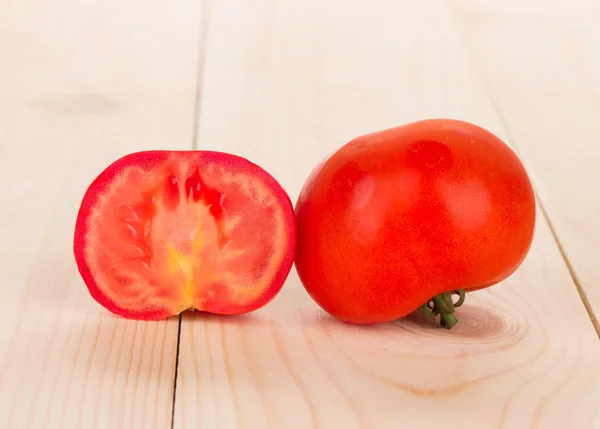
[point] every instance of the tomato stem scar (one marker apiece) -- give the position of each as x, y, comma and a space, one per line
443, 305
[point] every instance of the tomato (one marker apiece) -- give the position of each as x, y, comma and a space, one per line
400, 219
160, 232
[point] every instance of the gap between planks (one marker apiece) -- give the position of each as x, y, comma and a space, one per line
202, 48
200, 64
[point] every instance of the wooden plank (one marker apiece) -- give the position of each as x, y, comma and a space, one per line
81, 84
546, 85
288, 82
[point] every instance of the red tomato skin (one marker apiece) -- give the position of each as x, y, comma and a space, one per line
396, 217
148, 160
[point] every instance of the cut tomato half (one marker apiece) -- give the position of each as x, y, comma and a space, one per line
161, 232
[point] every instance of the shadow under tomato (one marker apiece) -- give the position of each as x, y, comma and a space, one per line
247, 319
474, 322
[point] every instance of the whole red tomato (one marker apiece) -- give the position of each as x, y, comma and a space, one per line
400, 219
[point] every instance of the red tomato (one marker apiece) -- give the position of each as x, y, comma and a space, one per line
161, 232
398, 217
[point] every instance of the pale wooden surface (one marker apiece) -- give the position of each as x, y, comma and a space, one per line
284, 83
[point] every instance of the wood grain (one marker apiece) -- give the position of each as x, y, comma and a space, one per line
546, 86
81, 84
287, 82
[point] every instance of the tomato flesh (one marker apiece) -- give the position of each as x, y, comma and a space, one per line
395, 217
161, 232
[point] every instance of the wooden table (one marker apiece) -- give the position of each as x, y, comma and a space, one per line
83, 82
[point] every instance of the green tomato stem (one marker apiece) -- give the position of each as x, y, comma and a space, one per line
443, 305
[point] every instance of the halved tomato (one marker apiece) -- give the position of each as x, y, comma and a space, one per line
161, 232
